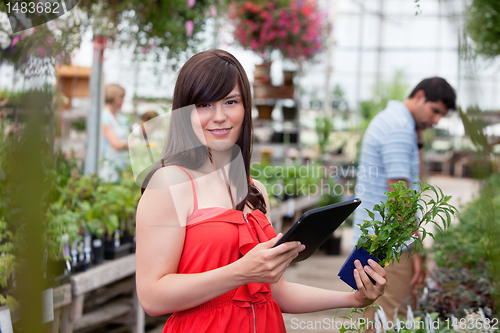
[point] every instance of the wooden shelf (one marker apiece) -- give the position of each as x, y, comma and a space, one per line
126, 310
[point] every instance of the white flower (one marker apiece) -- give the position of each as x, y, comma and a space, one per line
4, 21
4, 40
51, 25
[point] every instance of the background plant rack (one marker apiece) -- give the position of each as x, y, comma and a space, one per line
287, 137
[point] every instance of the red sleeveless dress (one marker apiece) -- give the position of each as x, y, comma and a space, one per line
216, 237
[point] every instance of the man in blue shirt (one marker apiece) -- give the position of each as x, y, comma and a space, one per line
391, 151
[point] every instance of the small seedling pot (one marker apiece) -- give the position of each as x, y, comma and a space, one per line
346, 273
97, 250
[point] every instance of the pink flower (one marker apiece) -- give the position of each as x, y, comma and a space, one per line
191, 3
213, 10
144, 50
41, 51
189, 28
15, 40
254, 44
50, 40
23, 36
153, 46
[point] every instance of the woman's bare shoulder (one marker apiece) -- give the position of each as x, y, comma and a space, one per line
160, 198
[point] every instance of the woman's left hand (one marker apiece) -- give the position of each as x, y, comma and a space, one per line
367, 291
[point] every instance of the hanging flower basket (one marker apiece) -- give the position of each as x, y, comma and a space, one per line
298, 29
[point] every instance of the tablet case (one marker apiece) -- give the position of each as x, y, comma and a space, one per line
315, 226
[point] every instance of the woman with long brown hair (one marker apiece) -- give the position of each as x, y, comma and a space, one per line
204, 239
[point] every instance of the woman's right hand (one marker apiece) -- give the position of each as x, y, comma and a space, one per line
265, 264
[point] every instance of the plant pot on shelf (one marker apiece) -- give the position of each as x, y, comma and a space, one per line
263, 91
113, 252
97, 250
288, 78
289, 113
265, 111
262, 74
129, 239
346, 273
332, 245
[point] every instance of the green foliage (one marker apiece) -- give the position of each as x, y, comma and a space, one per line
330, 197
9, 301
483, 163
475, 243
383, 92
483, 26
291, 180
454, 290
79, 124
324, 127
474, 127
400, 221
151, 26
339, 99
352, 317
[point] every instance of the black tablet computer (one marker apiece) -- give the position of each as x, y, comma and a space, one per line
316, 225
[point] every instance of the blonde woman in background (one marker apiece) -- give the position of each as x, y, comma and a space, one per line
114, 147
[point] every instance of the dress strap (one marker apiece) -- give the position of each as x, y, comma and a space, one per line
194, 191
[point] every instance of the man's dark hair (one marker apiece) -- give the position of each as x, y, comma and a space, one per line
437, 89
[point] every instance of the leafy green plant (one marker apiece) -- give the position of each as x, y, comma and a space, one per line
451, 291
474, 243
483, 26
324, 127
400, 220
79, 124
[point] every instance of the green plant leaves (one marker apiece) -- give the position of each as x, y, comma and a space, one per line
400, 219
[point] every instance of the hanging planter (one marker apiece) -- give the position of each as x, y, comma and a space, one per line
265, 111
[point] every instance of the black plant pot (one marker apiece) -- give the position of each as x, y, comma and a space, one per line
111, 251
97, 250
346, 273
332, 246
289, 113
129, 239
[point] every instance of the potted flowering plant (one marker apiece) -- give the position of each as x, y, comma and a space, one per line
404, 214
297, 29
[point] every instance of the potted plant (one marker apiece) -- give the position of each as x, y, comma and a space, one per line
398, 225
297, 28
